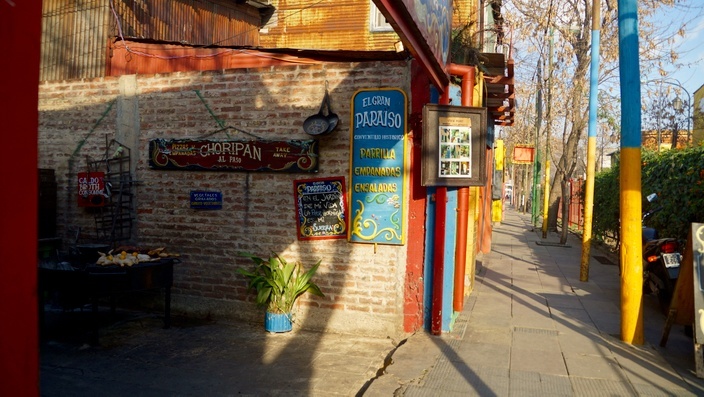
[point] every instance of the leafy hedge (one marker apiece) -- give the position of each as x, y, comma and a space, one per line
677, 176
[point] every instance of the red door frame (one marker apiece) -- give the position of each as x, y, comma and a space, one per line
20, 27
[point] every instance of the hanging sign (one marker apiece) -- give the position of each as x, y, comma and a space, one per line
254, 155
523, 154
320, 208
378, 171
454, 146
91, 189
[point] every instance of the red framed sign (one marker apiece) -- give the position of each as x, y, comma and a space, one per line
91, 189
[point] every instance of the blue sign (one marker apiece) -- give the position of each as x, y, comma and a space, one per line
202, 200
378, 171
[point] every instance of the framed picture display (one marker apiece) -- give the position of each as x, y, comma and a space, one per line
454, 146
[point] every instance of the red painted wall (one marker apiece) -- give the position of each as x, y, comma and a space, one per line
20, 27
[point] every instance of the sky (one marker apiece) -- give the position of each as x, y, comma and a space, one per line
690, 47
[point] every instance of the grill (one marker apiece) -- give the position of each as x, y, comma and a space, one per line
74, 287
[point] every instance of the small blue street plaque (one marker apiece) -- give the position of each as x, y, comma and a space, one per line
203, 200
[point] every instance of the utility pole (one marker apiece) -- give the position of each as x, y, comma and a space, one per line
536, 160
630, 196
548, 127
591, 143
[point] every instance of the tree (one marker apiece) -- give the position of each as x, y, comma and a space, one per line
663, 115
557, 35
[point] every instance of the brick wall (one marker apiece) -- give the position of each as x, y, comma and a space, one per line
363, 286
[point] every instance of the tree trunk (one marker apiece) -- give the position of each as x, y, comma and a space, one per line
566, 200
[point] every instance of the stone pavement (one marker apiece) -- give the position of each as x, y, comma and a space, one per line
137, 357
529, 328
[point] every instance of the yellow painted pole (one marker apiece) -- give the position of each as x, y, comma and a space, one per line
631, 246
630, 197
548, 131
588, 209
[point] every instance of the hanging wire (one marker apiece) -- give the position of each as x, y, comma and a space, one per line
97, 123
223, 127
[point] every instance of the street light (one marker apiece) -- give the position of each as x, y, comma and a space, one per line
677, 104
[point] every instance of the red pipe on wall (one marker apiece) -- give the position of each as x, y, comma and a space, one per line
468, 80
439, 243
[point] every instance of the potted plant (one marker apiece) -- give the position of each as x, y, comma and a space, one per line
278, 284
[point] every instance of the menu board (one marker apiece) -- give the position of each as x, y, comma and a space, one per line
320, 208
378, 171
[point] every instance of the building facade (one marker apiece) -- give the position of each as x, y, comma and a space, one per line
194, 84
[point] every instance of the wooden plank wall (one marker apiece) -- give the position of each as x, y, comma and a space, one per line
324, 25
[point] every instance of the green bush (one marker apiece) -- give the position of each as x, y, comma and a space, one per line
606, 203
677, 176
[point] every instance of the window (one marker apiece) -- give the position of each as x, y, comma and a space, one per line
377, 21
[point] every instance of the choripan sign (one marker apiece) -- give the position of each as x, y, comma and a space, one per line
231, 155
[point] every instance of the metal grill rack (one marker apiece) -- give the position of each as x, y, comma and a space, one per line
113, 221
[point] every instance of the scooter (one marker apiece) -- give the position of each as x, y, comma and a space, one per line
661, 261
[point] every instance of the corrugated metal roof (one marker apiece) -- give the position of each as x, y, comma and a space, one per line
197, 22
74, 38
76, 33
150, 58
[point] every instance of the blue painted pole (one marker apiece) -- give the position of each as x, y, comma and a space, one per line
591, 142
630, 197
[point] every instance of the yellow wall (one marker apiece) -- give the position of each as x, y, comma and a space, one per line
497, 208
327, 25
698, 116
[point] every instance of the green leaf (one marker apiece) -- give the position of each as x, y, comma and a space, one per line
279, 283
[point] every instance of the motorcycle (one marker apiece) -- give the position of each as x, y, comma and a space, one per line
661, 260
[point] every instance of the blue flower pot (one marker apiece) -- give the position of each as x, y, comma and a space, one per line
274, 322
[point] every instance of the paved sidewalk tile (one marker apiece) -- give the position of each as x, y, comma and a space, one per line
535, 329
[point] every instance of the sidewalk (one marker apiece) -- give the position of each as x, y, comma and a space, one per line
531, 328
195, 358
